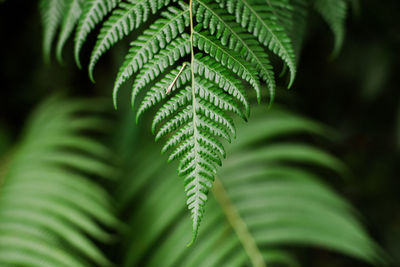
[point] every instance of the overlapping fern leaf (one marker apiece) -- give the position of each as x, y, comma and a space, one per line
194, 59
52, 213
269, 194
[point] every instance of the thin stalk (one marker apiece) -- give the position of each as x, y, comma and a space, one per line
238, 225
176, 78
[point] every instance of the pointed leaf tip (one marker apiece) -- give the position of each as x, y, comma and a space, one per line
194, 235
78, 61
91, 77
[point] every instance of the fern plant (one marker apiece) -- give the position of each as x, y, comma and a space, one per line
54, 208
268, 200
52, 212
196, 59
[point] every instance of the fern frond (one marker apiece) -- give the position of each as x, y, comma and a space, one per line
93, 12
228, 45
71, 15
198, 117
50, 211
261, 22
157, 37
52, 15
334, 13
300, 15
283, 11
123, 20
257, 206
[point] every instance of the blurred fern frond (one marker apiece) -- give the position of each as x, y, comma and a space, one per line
52, 211
334, 12
268, 196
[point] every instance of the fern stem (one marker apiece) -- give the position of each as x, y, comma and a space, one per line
238, 225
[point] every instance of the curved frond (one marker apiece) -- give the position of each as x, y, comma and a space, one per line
123, 20
72, 13
51, 212
52, 15
261, 21
93, 12
219, 23
300, 15
334, 13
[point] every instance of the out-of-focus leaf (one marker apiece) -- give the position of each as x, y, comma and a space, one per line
51, 212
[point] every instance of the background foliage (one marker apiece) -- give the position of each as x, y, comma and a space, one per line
355, 94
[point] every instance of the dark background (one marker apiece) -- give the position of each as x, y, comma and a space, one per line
355, 93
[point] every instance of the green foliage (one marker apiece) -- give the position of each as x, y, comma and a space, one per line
334, 13
93, 12
52, 212
71, 15
268, 194
236, 38
52, 15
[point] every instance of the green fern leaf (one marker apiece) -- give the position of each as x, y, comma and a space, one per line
228, 59
300, 15
49, 208
283, 11
234, 37
263, 25
160, 34
52, 14
93, 13
123, 20
71, 15
334, 13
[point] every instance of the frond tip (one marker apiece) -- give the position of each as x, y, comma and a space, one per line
334, 13
93, 12
195, 131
